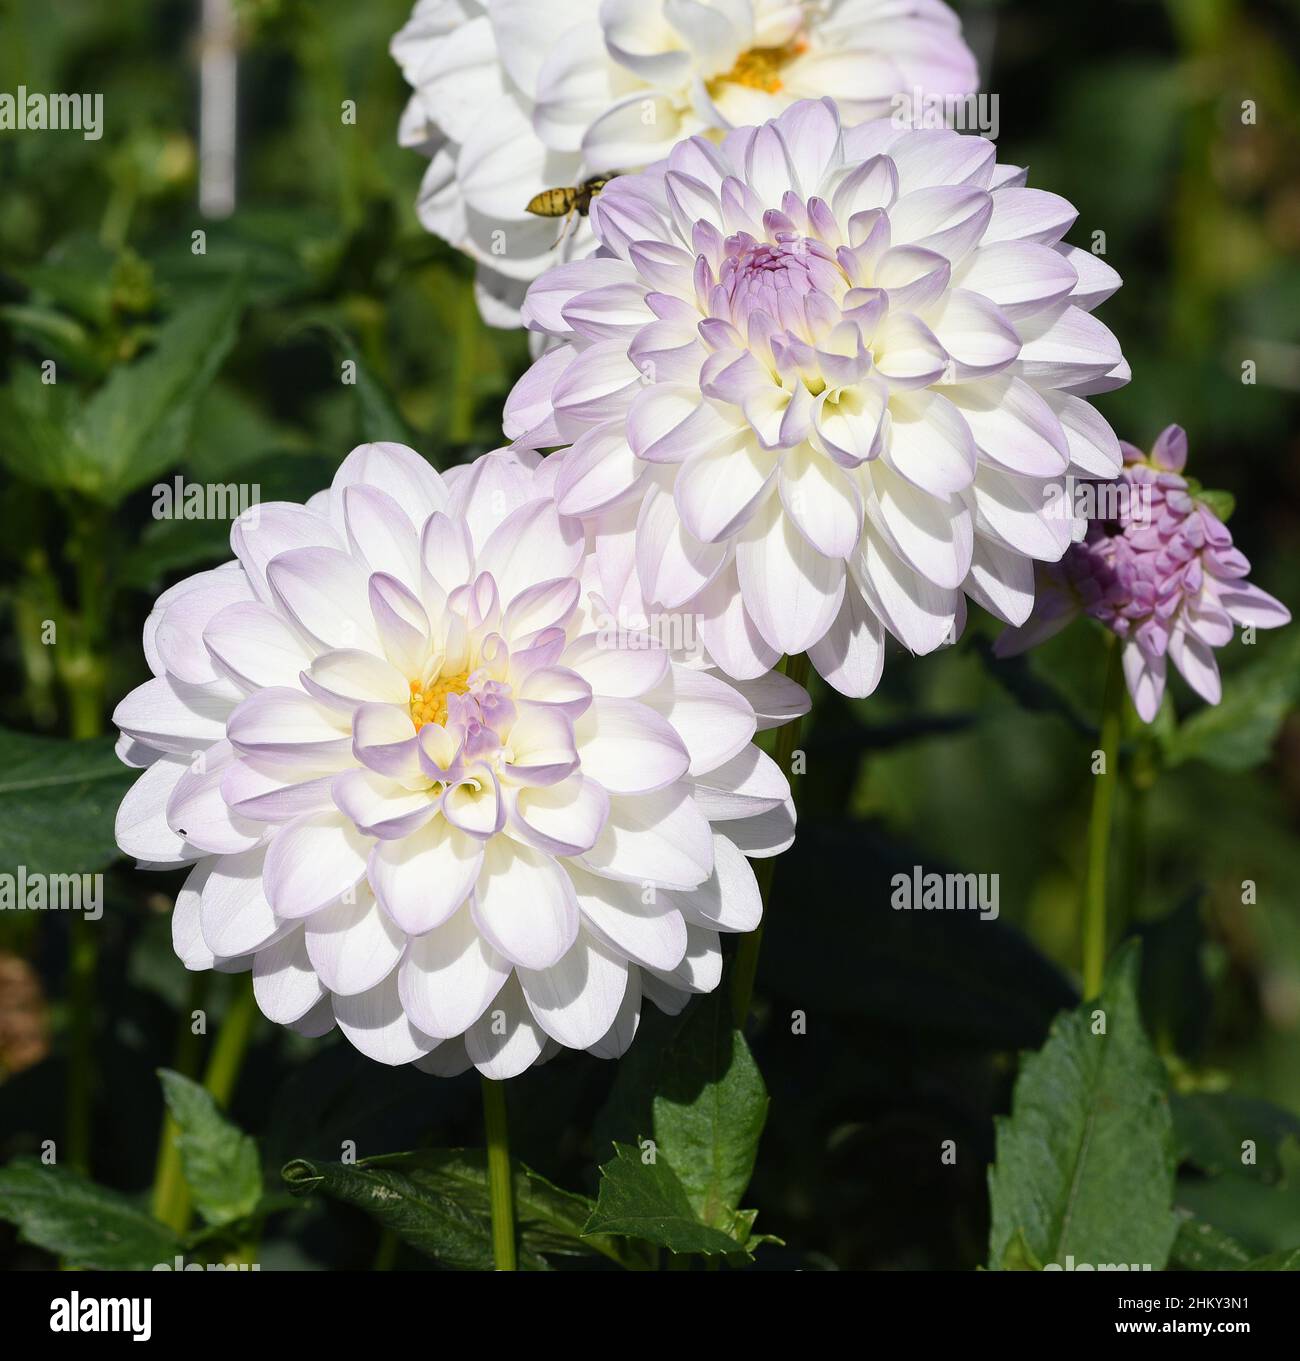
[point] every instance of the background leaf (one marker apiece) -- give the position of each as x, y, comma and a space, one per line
1085, 1161
84, 1223
437, 1201
219, 1160
58, 800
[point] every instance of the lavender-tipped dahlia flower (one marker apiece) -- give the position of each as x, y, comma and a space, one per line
512, 97
821, 384
1158, 570
426, 794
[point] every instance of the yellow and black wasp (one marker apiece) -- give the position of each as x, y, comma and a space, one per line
572, 201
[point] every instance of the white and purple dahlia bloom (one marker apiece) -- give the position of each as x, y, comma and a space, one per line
823, 383
1159, 570
427, 791
511, 97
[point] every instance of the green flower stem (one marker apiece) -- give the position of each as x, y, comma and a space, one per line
82, 675
500, 1187
171, 1196
1099, 825
232, 1042
745, 968
82, 962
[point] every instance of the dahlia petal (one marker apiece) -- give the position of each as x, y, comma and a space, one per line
1247, 604
197, 808
253, 645
562, 819
323, 591
141, 827
576, 999
174, 717
524, 904
312, 862
649, 932
380, 532
930, 444
729, 900
353, 945
187, 927
234, 914
616, 1040
505, 1040
285, 985
1145, 677
661, 837
628, 747
375, 1023
410, 481
287, 724
424, 878
1032, 215
919, 613
712, 719
449, 976
1194, 658
791, 591
851, 654
533, 543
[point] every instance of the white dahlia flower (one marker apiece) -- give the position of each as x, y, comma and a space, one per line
512, 97
427, 793
823, 383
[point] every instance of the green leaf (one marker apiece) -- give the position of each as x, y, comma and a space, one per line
705, 1104
648, 1201
709, 1109
1220, 503
84, 1223
1238, 733
1277, 1261
1201, 1246
437, 1201
138, 423
378, 416
1085, 1162
1212, 1127
37, 441
58, 799
219, 1160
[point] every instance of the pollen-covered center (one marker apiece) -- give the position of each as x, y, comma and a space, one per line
760, 68
429, 699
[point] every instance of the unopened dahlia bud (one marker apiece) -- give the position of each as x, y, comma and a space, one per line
1159, 570
427, 794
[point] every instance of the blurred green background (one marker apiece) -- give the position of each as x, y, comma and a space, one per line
1133, 109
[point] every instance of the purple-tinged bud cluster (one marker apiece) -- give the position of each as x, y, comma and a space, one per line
1161, 574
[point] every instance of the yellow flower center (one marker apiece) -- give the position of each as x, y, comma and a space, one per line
429, 702
760, 68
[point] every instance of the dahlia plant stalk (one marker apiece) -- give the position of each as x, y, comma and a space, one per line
821, 384
1158, 570
511, 98
429, 793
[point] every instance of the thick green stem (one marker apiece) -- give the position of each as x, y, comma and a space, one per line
82, 674
500, 1187
1099, 825
84, 955
745, 968
171, 1196
232, 1042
